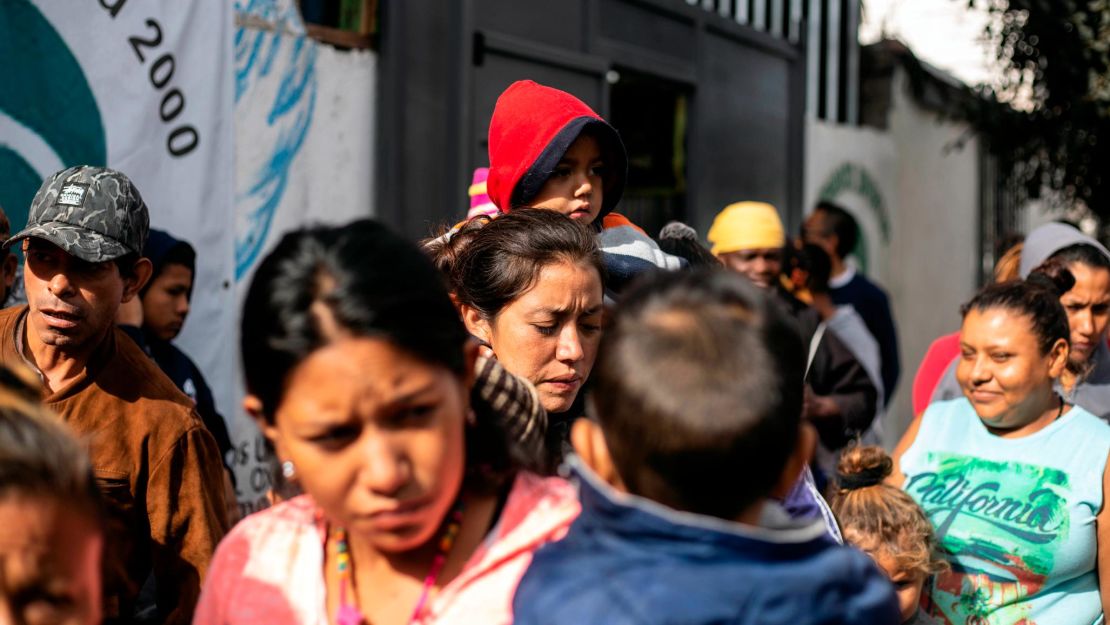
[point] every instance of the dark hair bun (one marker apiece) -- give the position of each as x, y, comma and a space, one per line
1053, 275
863, 466
448, 244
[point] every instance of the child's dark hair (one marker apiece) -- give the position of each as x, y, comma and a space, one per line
371, 283
1037, 297
841, 223
818, 267
39, 457
879, 518
494, 264
699, 381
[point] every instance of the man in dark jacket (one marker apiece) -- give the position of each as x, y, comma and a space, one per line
840, 399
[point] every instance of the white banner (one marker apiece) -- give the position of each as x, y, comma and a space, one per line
304, 123
162, 91
145, 88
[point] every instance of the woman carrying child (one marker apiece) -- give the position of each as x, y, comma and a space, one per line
529, 286
417, 507
1012, 477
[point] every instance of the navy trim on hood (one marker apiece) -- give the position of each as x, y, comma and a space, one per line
612, 153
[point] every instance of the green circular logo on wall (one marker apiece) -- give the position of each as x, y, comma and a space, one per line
850, 177
49, 118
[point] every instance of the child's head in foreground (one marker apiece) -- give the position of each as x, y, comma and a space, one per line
698, 383
886, 523
548, 150
51, 515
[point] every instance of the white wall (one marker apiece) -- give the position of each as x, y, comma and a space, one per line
304, 132
929, 195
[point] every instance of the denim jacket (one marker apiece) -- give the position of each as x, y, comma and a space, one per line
630, 560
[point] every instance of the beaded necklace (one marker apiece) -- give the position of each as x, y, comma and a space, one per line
349, 613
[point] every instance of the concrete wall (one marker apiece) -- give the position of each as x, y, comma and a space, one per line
917, 201
305, 132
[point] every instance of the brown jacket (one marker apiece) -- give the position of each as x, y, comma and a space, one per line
157, 466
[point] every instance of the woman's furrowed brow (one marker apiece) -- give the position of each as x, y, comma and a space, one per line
407, 395
559, 312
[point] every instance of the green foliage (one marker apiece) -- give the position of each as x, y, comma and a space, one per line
1055, 61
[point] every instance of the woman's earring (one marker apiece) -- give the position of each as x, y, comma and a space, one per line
471, 418
288, 470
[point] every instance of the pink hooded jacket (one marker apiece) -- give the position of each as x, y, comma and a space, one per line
268, 569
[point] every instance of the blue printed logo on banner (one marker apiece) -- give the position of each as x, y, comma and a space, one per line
257, 55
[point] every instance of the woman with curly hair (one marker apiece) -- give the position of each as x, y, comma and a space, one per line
888, 525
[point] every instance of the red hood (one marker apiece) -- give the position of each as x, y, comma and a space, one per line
531, 129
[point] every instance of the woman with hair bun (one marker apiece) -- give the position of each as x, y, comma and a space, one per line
888, 525
529, 285
1012, 477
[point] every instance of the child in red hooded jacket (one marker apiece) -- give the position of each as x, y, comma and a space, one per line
547, 149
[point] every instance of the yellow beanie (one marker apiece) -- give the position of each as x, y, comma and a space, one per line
746, 226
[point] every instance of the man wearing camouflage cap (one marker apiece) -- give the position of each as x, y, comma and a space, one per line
157, 466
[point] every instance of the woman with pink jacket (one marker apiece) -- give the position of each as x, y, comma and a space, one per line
418, 505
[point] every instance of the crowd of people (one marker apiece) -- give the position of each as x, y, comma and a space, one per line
544, 415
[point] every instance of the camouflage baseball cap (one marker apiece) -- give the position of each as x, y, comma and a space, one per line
93, 213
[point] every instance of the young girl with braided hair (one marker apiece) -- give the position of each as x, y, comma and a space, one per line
888, 525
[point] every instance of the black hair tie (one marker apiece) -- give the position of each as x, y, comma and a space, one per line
862, 479
1041, 280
